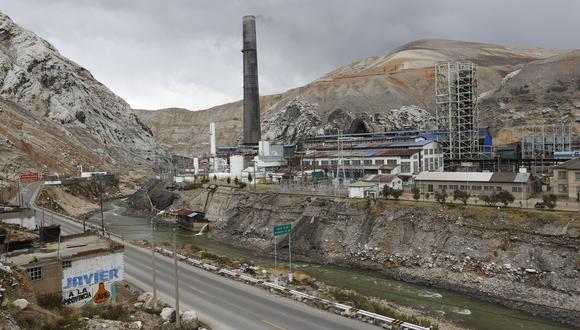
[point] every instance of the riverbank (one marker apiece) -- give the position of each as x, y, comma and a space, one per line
121, 219
524, 259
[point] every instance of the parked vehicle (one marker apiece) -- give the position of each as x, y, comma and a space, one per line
540, 205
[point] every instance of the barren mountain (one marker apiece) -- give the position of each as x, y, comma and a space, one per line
56, 115
373, 93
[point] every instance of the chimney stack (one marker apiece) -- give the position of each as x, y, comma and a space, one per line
252, 129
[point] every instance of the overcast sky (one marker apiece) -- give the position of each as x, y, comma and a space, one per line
178, 53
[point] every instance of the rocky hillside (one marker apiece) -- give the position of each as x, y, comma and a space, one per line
526, 260
56, 115
377, 93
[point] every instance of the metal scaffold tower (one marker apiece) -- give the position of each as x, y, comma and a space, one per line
456, 110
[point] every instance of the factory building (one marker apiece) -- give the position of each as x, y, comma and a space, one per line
403, 158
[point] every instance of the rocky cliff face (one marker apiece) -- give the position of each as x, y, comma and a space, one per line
525, 260
361, 95
64, 102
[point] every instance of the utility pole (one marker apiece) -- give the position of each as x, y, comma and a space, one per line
100, 180
153, 263
275, 262
290, 275
177, 319
18, 195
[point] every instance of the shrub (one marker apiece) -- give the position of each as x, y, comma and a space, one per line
50, 300
242, 184
416, 193
441, 196
396, 193
505, 197
461, 195
550, 201
387, 191
114, 312
228, 180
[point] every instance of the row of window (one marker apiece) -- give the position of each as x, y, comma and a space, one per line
474, 188
351, 162
35, 273
563, 175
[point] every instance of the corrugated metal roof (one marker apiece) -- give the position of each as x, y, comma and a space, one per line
454, 176
371, 152
396, 152
412, 144
361, 184
572, 164
382, 178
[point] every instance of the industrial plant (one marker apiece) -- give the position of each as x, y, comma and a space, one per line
456, 154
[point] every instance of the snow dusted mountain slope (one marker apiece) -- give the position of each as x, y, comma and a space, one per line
57, 96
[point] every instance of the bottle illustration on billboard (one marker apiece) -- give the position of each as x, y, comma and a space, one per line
102, 295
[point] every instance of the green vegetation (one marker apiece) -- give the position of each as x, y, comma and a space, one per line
388, 191
114, 312
416, 193
219, 259
461, 195
550, 201
440, 196
50, 300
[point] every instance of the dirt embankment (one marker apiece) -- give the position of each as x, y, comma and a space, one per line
524, 259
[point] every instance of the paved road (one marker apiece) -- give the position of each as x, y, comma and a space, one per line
221, 302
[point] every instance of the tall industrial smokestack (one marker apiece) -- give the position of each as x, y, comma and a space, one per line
252, 130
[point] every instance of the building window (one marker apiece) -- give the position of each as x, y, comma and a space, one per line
306, 162
415, 156
436, 163
346, 162
66, 264
442, 187
324, 162
406, 157
334, 162
35, 273
476, 188
379, 161
577, 176
562, 188
562, 175
498, 188
392, 161
516, 189
368, 162
487, 188
405, 167
356, 162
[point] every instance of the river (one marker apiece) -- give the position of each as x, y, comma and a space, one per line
452, 306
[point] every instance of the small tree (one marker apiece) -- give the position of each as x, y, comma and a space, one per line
236, 181
416, 193
214, 178
250, 177
228, 180
550, 201
505, 197
441, 196
427, 196
387, 191
396, 193
461, 195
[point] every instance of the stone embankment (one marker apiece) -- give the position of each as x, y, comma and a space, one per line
524, 259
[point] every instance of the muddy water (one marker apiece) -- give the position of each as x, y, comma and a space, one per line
455, 307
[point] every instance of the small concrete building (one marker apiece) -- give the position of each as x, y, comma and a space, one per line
82, 267
372, 185
476, 183
566, 179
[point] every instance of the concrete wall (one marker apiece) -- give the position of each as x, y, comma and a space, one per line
87, 278
51, 277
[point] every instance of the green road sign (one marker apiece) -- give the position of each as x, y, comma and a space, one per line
282, 229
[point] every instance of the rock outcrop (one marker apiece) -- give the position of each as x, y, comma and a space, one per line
522, 259
49, 97
297, 119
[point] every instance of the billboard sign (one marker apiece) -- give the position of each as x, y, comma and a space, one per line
29, 176
92, 281
282, 229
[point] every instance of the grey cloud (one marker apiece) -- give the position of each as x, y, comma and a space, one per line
157, 53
